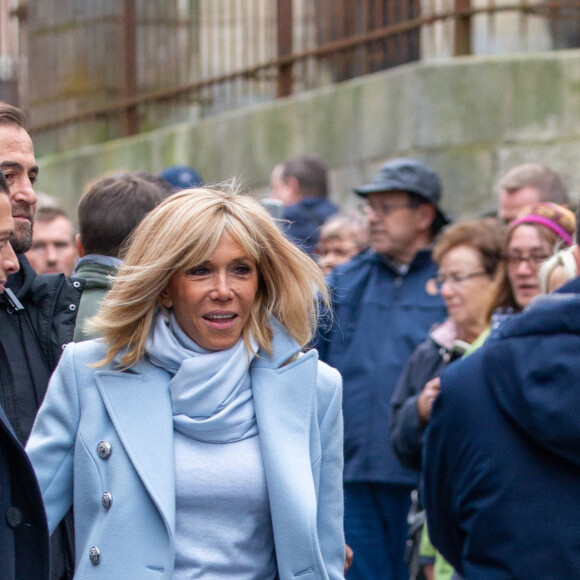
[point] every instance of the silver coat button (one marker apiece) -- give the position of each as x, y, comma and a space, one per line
94, 555
107, 500
104, 449
72, 307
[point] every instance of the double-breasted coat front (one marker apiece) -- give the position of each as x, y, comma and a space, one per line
104, 438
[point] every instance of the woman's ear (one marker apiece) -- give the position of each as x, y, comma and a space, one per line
165, 299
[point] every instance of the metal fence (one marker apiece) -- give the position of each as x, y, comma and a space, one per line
103, 69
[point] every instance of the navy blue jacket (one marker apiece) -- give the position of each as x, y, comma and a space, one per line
24, 544
427, 362
305, 218
380, 316
502, 457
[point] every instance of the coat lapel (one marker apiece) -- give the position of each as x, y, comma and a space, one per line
284, 405
135, 401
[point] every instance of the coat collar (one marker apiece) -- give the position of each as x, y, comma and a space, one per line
284, 401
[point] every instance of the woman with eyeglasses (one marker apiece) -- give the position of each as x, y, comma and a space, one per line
468, 255
540, 230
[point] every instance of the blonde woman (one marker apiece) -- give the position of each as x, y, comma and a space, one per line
194, 439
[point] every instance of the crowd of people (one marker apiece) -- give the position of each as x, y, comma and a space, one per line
197, 383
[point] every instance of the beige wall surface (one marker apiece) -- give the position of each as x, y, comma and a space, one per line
471, 118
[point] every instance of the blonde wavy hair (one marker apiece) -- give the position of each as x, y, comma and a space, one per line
183, 232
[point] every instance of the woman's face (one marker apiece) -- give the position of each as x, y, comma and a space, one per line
212, 302
466, 289
525, 253
335, 251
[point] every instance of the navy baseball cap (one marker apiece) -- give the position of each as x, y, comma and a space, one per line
182, 177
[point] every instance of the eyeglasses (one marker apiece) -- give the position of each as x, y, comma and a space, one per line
383, 209
455, 279
534, 260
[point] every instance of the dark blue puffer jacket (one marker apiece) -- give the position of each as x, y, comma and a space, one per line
502, 457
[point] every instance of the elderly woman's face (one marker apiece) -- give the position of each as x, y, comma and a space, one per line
212, 302
335, 251
466, 288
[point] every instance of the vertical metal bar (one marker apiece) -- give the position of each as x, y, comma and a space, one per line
130, 121
284, 35
341, 35
462, 36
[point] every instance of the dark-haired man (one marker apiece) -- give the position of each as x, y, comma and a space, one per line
301, 184
382, 311
24, 542
107, 213
37, 312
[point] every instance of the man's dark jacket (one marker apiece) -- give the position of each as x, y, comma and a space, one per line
31, 342
502, 456
380, 316
305, 219
24, 542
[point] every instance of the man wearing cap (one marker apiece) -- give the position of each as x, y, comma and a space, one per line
382, 311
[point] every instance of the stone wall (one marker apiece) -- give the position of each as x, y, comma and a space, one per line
471, 118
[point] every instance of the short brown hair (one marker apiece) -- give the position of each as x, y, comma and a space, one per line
485, 236
548, 183
111, 208
310, 172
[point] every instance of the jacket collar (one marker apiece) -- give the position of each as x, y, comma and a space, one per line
21, 282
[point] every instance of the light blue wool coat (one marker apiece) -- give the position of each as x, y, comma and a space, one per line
298, 411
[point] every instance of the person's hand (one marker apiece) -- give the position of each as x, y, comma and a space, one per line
426, 399
429, 571
348, 559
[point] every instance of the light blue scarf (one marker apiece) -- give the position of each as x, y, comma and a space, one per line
210, 390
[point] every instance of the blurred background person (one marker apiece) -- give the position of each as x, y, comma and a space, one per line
468, 255
381, 312
560, 268
342, 236
537, 233
195, 439
563, 266
527, 184
301, 184
53, 249
109, 210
